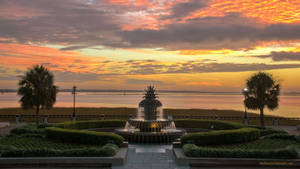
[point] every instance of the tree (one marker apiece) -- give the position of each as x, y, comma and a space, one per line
263, 91
37, 90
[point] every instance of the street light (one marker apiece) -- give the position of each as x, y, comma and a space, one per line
74, 94
245, 92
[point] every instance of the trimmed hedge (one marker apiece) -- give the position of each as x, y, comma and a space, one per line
267, 131
92, 124
282, 136
207, 124
192, 150
29, 129
221, 137
105, 151
83, 137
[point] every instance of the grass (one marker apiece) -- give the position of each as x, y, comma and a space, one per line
132, 111
266, 144
31, 142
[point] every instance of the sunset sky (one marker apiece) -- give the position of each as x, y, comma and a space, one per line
204, 45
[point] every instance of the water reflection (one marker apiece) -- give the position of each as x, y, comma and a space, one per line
289, 105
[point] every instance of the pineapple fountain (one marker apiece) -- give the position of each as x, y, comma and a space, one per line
150, 126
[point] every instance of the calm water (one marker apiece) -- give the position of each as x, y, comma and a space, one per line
289, 105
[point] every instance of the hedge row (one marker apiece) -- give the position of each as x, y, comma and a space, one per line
264, 131
283, 136
83, 137
92, 124
105, 151
29, 129
192, 150
208, 124
221, 137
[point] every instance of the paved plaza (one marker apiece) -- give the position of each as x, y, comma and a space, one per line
150, 157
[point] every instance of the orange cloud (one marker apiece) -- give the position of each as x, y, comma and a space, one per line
266, 11
23, 56
204, 52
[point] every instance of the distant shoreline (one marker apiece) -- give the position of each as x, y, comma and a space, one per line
159, 92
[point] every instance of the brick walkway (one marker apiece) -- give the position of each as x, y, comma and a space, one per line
150, 157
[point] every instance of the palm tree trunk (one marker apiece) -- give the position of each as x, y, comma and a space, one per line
37, 115
262, 121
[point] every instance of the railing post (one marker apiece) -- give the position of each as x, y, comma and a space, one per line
73, 118
246, 121
46, 119
276, 122
17, 119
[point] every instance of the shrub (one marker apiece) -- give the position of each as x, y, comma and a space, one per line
207, 124
282, 136
83, 137
4, 148
268, 131
28, 129
105, 151
192, 150
31, 135
297, 138
221, 137
92, 124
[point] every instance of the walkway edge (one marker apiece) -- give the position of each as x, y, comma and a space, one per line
118, 159
181, 159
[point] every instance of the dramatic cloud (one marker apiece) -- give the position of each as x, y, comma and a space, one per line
282, 56
132, 24
199, 67
132, 42
229, 32
183, 9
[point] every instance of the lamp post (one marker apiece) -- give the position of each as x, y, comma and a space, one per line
245, 92
74, 94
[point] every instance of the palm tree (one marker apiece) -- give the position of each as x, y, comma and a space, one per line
37, 90
263, 91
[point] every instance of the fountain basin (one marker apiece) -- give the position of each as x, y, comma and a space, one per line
149, 125
164, 136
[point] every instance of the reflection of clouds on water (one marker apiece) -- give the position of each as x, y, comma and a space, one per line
289, 105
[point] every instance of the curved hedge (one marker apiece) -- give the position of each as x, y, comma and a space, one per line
107, 150
192, 150
207, 124
83, 136
221, 137
92, 124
